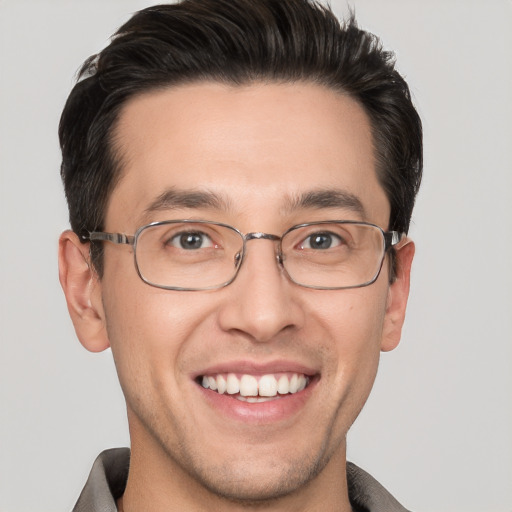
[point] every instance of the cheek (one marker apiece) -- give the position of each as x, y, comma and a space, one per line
148, 328
351, 322
354, 317
354, 320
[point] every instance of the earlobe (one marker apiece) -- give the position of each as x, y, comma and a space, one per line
398, 294
82, 289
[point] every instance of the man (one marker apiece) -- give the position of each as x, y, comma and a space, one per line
240, 177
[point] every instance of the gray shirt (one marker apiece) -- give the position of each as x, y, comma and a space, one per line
107, 481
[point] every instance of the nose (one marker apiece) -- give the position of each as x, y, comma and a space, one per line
261, 302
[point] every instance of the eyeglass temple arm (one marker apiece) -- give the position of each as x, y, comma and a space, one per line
116, 238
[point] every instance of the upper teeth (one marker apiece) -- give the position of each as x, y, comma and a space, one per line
249, 385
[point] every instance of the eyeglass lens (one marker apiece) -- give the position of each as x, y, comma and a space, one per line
202, 255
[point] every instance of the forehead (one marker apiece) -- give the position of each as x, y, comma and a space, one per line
250, 146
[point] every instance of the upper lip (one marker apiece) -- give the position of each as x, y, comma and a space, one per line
257, 368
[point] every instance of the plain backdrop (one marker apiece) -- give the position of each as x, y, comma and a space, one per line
437, 430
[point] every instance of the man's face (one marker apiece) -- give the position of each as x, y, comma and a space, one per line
258, 149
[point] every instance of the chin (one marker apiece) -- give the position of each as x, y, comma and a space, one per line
244, 483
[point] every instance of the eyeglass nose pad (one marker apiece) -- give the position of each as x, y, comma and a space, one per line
237, 259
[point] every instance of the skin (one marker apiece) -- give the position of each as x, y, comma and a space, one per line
257, 146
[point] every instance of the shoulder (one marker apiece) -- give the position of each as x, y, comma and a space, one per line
106, 482
368, 495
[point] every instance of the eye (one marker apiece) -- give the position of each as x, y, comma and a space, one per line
191, 241
321, 241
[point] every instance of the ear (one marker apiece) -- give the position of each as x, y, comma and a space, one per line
398, 294
82, 289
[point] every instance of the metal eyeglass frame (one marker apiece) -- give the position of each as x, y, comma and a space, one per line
391, 239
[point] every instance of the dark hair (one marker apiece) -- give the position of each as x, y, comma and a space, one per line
235, 42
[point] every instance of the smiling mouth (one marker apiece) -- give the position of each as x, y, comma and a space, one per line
255, 389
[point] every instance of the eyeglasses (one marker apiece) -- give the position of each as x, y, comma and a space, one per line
204, 255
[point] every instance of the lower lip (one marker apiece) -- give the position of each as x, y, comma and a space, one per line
272, 411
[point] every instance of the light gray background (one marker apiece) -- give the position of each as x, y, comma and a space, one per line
438, 428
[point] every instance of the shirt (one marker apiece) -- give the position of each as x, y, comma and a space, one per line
107, 481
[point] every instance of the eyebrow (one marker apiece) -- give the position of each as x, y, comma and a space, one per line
172, 199
327, 198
